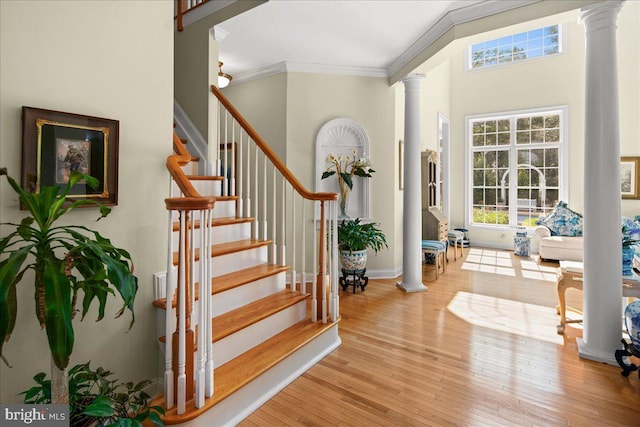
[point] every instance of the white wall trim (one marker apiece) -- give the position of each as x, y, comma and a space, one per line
450, 20
206, 9
304, 67
186, 129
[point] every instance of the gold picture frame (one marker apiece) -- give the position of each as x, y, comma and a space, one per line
55, 143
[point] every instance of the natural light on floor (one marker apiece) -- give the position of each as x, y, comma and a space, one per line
499, 262
528, 320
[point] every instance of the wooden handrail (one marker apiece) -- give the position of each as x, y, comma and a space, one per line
179, 15
174, 165
189, 203
286, 173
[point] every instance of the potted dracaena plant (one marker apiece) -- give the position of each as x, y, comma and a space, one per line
65, 261
354, 238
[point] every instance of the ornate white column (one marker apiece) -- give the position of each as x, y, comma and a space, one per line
412, 213
602, 288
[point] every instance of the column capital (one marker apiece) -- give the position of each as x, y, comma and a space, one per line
600, 15
414, 77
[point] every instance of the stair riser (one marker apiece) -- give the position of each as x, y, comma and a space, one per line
204, 187
234, 345
229, 263
232, 410
221, 234
234, 298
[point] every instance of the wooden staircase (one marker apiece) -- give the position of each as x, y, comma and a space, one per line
264, 320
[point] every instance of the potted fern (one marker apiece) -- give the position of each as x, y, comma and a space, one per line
73, 265
354, 238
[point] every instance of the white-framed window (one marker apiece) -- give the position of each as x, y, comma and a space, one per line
517, 166
536, 43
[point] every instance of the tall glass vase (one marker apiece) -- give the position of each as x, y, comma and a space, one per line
344, 198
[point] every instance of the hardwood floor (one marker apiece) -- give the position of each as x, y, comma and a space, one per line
478, 349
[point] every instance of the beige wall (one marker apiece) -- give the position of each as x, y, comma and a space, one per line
288, 109
314, 99
112, 60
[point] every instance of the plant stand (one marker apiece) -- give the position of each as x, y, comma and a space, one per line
355, 278
629, 350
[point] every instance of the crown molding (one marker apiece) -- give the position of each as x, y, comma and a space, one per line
304, 67
448, 21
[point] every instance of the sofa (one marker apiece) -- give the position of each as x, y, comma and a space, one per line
560, 234
551, 247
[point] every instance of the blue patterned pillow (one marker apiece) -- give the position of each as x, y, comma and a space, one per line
562, 221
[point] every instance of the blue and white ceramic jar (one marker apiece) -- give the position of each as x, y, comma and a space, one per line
632, 322
353, 260
628, 253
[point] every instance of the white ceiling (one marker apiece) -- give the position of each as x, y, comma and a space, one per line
366, 36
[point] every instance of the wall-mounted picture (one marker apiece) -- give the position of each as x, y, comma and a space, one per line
630, 177
55, 143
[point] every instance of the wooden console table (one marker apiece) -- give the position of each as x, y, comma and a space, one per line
571, 277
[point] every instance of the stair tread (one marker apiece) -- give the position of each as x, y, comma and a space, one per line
232, 280
227, 248
204, 177
235, 320
238, 372
217, 222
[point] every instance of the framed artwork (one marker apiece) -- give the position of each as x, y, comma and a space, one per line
55, 143
630, 177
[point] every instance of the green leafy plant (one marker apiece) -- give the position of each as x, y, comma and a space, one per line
356, 236
65, 260
94, 397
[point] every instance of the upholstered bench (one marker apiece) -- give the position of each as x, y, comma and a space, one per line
456, 239
438, 250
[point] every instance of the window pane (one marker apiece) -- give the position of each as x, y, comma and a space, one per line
490, 178
518, 38
551, 157
523, 177
478, 178
478, 140
503, 159
551, 30
478, 127
552, 135
551, 175
537, 157
537, 136
504, 125
552, 122
534, 53
490, 159
490, 196
537, 122
535, 34
478, 196
491, 139
490, 126
524, 123
524, 157
523, 137
504, 138
478, 160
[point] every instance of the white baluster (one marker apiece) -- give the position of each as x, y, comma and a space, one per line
264, 200
283, 225
232, 179
168, 330
294, 286
274, 221
303, 246
239, 179
182, 307
209, 368
324, 267
255, 232
202, 312
223, 170
314, 278
247, 203
216, 162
